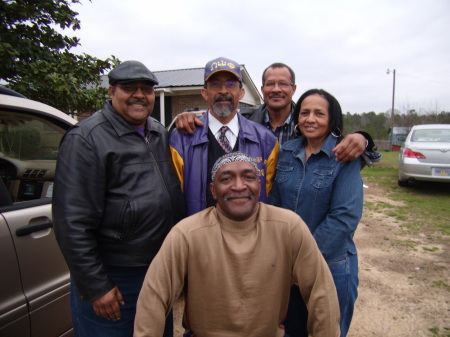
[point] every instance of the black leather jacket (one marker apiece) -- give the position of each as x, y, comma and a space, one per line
116, 197
255, 114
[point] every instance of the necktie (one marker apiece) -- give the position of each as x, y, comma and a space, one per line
223, 140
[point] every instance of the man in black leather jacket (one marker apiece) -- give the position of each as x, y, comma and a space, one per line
116, 197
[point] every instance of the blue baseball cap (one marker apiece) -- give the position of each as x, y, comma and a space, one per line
222, 64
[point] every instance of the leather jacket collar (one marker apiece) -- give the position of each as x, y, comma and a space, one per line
120, 125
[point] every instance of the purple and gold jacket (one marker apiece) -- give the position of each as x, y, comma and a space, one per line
190, 157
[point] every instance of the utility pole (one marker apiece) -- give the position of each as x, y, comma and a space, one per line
391, 138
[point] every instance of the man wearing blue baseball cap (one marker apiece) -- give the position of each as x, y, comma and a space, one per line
223, 131
116, 197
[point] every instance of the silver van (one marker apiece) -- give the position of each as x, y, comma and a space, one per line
35, 282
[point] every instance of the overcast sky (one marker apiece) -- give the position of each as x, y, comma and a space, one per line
342, 46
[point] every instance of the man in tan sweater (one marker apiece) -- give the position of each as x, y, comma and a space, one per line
237, 262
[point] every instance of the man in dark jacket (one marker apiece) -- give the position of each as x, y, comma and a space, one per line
116, 197
276, 113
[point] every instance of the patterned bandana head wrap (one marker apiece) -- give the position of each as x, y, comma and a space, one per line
230, 158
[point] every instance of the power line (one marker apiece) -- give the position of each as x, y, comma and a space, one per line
423, 79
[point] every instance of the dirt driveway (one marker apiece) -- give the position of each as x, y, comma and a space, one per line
404, 277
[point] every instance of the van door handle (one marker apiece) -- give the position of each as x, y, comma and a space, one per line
27, 230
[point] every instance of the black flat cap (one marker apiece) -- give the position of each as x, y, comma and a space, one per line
131, 71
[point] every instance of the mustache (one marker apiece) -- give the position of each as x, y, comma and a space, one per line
223, 97
137, 100
238, 196
276, 95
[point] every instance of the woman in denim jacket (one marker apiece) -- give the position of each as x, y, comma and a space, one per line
328, 196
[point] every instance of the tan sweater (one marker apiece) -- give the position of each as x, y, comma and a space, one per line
239, 275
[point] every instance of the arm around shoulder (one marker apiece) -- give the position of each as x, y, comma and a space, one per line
185, 122
370, 155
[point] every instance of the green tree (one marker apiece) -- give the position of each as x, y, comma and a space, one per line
35, 58
374, 124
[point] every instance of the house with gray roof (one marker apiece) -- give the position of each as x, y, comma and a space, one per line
180, 90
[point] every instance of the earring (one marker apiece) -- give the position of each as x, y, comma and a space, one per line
297, 131
337, 136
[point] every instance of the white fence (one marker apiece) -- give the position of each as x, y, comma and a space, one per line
382, 144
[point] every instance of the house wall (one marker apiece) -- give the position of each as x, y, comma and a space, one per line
187, 102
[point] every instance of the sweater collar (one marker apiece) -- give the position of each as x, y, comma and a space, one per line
237, 226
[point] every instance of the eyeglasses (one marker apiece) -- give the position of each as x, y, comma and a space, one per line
131, 89
281, 84
218, 84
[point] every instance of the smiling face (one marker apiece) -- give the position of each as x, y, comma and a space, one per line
223, 93
314, 118
133, 101
277, 89
236, 188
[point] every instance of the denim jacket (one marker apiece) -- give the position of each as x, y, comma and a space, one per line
328, 195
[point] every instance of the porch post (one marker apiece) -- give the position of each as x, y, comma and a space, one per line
162, 108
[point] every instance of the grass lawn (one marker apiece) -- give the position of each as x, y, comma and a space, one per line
425, 205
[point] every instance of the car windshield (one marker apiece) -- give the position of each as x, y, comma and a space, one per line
431, 135
26, 137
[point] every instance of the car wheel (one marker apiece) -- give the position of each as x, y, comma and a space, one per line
403, 183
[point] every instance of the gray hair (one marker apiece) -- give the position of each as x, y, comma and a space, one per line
231, 158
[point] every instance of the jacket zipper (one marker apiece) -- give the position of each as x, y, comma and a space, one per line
160, 174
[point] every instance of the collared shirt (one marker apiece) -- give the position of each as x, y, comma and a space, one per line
233, 128
282, 132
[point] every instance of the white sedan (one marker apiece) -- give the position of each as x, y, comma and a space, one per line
425, 155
